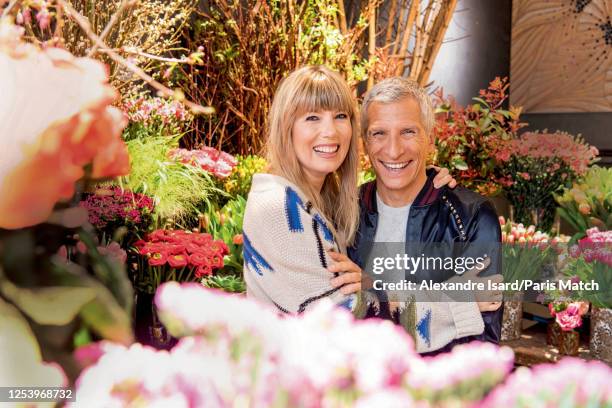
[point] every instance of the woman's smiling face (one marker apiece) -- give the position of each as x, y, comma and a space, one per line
321, 142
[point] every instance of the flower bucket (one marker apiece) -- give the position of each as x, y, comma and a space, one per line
601, 334
148, 328
512, 320
567, 342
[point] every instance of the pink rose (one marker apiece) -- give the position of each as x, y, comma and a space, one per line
569, 318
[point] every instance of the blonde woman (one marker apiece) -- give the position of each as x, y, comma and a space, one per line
301, 216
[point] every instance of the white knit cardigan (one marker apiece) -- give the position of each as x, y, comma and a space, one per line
285, 244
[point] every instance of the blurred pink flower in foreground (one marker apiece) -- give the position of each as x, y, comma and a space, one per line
236, 352
55, 118
570, 383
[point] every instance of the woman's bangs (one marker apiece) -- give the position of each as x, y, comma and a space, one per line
323, 93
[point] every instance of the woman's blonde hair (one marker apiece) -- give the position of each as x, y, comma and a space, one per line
314, 89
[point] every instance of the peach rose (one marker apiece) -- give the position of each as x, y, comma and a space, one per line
55, 118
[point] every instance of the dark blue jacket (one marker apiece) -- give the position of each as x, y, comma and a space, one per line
439, 215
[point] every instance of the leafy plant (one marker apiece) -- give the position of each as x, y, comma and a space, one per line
591, 261
179, 189
535, 166
119, 215
226, 225
465, 136
228, 283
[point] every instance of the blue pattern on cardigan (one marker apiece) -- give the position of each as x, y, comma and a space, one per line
293, 202
327, 234
253, 258
423, 327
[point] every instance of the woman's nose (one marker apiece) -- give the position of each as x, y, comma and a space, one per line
328, 127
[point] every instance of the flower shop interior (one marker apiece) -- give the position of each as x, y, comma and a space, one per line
131, 131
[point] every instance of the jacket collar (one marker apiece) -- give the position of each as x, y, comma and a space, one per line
426, 196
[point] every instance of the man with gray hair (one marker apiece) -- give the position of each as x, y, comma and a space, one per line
402, 206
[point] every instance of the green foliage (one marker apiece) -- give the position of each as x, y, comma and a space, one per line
226, 224
57, 301
597, 272
365, 176
466, 136
532, 197
228, 283
179, 189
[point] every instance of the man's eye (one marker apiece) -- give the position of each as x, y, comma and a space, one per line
342, 116
376, 133
408, 132
312, 118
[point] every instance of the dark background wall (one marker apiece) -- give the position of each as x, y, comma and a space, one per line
477, 49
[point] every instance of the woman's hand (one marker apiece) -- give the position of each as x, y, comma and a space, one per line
443, 177
349, 273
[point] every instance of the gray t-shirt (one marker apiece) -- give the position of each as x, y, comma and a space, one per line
392, 222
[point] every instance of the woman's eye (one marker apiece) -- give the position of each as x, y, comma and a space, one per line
312, 118
342, 116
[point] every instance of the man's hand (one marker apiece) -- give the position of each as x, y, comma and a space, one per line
349, 273
443, 178
487, 300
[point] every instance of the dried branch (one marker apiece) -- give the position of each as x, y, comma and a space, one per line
438, 37
83, 22
111, 23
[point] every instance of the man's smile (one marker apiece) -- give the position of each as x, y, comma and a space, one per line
395, 166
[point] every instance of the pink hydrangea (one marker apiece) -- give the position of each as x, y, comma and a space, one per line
209, 159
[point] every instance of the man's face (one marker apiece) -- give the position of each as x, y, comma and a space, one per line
398, 147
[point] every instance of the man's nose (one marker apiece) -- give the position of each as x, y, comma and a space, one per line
393, 147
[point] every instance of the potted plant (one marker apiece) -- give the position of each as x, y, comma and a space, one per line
561, 333
170, 255
588, 203
534, 167
591, 262
524, 253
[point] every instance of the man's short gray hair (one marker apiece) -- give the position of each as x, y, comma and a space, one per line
394, 89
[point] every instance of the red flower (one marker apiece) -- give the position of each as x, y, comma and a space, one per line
202, 238
157, 259
178, 260
198, 259
203, 270
192, 247
216, 261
